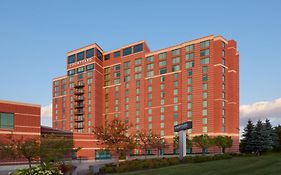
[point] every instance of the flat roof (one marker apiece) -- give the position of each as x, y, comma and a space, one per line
19, 103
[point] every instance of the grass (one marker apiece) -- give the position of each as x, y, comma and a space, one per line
259, 165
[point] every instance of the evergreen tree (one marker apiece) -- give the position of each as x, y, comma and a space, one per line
246, 145
270, 135
277, 139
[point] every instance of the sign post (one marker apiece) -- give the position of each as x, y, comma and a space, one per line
181, 128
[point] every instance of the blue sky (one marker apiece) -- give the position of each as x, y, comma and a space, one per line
35, 36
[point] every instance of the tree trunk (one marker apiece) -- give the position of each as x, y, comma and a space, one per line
223, 150
29, 163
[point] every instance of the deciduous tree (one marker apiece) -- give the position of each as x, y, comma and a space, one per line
202, 141
223, 142
114, 137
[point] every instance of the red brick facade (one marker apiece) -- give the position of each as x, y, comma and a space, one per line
196, 80
26, 121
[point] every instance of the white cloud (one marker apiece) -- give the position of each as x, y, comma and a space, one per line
46, 115
261, 111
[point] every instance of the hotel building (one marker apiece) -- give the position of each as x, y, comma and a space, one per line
194, 81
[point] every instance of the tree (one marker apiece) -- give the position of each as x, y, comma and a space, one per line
55, 148
158, 143
203, 141
18, 148
277, 131
114, 137
146, 140
269, 136
223, 142
246, 144
261, 142
176, 142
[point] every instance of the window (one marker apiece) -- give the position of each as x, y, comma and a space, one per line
189, 64
71, 59
204, 52
116, 74
162, 86
89, 53
71, 72
116, 54
223, 53
205, 86
189, 105
176, 91
127, 51
189, 97
189, 72
205, 104
127, 64
204, 121
162, 55
205, 95
149, 66
204, 44
117, 81
205, 61
189, 56
126, 78
204, 112
149, 59
176, 76
138, 61
176, 108
107, 57
162, 109
189, 89
189, 114
162, 117
163, 71
176, 100
189, 80
137, 76
176, 68
175, 52
138, 48
176, 60
138, 69
162, 63
204, 69
90, 67
205, 78
190, 48
204, 130
80, 69
162, 125
150, 73
6, 120
80, 56
117, 67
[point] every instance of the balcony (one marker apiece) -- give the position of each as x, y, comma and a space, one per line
79, 105
78, 92
79, 84
79, 118
78, 112
79, 126
79, 98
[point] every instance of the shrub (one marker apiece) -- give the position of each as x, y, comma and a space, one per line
135, 165
38, 170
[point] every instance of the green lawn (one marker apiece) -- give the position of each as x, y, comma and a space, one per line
266, 164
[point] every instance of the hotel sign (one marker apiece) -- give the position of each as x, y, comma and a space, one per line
183, 126
80, 62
